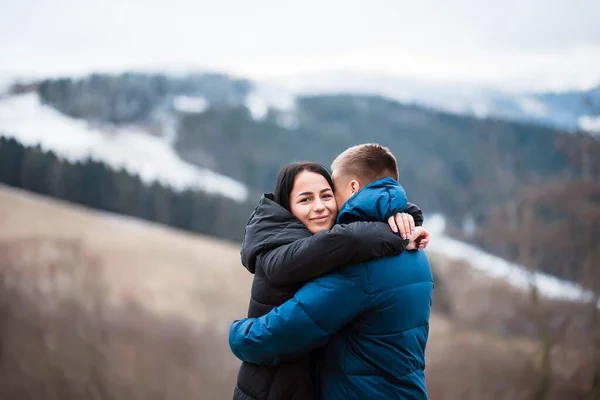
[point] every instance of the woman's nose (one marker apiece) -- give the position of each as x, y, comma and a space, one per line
318, 205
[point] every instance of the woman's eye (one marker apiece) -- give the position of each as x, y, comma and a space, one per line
306, 200
327, 196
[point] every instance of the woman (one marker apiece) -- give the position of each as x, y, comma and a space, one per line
291, 239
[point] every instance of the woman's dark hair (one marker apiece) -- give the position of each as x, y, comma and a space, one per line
287, 175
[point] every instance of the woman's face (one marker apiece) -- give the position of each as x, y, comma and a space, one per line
312, 201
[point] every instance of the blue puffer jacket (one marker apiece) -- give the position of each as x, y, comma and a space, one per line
372, 318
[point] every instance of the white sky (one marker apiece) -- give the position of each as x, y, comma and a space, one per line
512, 44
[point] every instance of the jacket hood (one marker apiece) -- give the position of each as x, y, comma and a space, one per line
375, 202
267, 220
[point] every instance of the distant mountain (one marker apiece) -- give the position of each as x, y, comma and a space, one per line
565, 107
562, 110
247, 131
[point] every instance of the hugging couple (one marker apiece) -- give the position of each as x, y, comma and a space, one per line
342, 288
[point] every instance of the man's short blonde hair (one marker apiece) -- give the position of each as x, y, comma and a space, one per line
366, 163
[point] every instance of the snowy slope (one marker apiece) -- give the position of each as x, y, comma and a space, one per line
497, 267
153, 159
590, 124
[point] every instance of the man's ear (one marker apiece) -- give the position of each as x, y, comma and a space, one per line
354, 186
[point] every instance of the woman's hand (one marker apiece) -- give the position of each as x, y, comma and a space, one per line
419, 239
403, 223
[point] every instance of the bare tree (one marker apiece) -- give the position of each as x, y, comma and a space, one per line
570, 207
584, 156
518, 226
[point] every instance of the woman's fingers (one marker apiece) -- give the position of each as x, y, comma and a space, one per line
405, 223
411, 223
402, 223
392, 223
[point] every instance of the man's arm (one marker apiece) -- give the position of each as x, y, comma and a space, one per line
305, 322
310, 257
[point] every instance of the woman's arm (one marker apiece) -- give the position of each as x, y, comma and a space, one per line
404, 223
299, 261
416, 213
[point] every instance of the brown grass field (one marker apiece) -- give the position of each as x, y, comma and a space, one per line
99, 306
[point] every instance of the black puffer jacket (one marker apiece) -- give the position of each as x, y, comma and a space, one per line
283, 255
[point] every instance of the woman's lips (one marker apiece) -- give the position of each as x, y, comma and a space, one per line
320, 219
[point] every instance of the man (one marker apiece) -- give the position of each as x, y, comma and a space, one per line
372, 318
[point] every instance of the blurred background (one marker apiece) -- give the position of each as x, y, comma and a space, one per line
137, 137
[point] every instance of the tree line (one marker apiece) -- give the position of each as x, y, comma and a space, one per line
94, 184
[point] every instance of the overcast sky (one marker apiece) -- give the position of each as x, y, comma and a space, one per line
513, 44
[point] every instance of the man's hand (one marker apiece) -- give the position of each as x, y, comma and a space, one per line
403, 223
419, 239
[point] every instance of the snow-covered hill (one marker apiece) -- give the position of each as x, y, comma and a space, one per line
152, 158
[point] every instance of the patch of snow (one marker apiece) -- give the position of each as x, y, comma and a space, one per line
532, 106
480, 110
496, 267
449, 105
153, 159
469, 226
4, 86
288, 120
168, 123
590, 124
257, 106
435, 224
190, 104
6, 81
267, 96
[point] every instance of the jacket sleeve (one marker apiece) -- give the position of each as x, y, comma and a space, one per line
305, 322
416, 213
304, 259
